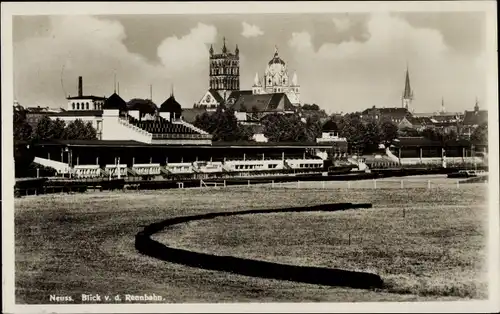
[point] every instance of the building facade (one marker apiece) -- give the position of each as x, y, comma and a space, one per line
277, 80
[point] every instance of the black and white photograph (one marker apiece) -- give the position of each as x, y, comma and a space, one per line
250, 156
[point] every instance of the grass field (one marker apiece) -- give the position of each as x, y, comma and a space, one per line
84, 243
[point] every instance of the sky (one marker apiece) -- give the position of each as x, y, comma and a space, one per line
344, 62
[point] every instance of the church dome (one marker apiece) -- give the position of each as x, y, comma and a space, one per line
276, 59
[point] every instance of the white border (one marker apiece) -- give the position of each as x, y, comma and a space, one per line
51, 8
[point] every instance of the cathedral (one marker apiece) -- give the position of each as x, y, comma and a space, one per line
277, 80
224, 80
224, 76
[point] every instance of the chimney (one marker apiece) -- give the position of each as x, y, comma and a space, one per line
80, 86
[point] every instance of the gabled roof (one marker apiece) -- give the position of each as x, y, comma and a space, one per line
330, 125
262, 102
475, 117
115, 102
419, 120
215, 94
396, 112
171, 105
237, 93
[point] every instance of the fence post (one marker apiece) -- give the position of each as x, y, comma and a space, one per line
224, 183
272, 183
428, 184
348, 184
374, 183
248, 182
458, 184
323, 184
402, 184
298, 184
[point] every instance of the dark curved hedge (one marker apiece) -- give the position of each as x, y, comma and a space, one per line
249, 267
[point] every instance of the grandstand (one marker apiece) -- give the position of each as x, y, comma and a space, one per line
132, 159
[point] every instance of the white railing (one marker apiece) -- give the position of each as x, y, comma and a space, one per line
147, 169
192, 127
133, 127
178, 168
113, 170
391, 155
87, 171
60, 167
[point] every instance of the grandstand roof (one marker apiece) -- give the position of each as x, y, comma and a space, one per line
171, 105
115, 102
76, 113
130, 143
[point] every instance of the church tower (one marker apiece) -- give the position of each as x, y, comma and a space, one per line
224, 70
408, 92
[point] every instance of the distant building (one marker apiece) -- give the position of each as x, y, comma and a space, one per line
407, 97
255, 107
84, 102
224, 77
395, 115
277, 80
139, 120
473, 119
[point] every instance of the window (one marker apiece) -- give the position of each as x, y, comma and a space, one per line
73, 106
78, 106
87, 106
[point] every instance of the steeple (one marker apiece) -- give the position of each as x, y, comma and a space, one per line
408, 93
275, 51
476, 106
237, 50
256, 80
211, 50
224, 49
442, 105
294, 79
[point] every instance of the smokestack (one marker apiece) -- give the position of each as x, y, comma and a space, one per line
80, 86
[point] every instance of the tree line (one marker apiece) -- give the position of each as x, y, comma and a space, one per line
48, 129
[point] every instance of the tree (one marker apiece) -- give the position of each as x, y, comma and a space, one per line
352, 128
480, 134
407, 131
45, 130
22, 130
222, 124
284, 128
388, 132
372, 136
58, 127
310, 107
78, 130
313, 128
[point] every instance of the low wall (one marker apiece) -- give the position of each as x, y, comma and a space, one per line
255, 268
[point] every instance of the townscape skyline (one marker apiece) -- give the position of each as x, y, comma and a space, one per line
344, 62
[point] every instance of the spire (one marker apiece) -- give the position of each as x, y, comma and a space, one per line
408, 94
256, 81
211, 49
294, 79
442, 105
224, 49
275, 51
476, 106
172, 90
237, 50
